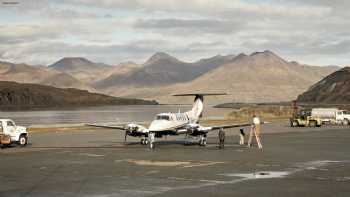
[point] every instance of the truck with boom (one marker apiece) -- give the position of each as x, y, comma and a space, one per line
304, 118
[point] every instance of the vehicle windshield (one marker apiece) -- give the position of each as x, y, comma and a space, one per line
9, 123
305, 113
346, 112
162, 117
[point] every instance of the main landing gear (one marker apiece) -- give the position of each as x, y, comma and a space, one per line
144, 141
203, 140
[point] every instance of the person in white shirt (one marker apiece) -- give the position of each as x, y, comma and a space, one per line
255, 130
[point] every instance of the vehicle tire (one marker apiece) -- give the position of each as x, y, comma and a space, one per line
142, 141
312, 124
295, 124
23, 140
145, 141
346, 122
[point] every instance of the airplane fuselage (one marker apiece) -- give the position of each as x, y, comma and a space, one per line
169, 122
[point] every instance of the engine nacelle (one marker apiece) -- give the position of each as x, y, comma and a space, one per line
135, 128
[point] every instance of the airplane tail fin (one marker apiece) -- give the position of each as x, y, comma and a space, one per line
198, 106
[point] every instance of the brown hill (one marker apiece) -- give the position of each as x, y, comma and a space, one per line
161, 69
333, 89
82, 69
15, 95
259, 77
24, 73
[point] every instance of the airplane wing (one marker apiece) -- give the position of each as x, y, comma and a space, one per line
230, 126
214, 128
120, 127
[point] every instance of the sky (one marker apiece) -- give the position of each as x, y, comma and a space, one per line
315, 32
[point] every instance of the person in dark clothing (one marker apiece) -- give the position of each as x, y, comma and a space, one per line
221, 138
241, 136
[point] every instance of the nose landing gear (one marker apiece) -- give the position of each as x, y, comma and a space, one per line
203, 140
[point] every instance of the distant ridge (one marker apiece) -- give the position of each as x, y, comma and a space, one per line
160, 56
161, 69
68, 63
82, 69
258, 77
24, 73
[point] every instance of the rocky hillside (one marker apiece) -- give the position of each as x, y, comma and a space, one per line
333, 89
15, 96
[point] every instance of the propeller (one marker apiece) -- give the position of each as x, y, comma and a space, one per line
126, 134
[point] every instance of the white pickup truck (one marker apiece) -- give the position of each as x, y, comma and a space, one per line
10, 133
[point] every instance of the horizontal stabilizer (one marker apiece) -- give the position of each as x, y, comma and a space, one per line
201, 94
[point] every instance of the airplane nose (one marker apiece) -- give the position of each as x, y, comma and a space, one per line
155, 126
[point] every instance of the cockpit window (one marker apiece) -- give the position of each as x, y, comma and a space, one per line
162, 117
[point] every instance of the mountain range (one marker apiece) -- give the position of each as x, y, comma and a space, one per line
258, 77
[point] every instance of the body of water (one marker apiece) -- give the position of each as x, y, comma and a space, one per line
134, 113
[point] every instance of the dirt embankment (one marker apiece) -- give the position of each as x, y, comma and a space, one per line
267, 113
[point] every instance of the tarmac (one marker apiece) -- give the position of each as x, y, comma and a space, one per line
97, 162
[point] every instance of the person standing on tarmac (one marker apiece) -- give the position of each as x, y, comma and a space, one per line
255, 130
241, 136
221, 138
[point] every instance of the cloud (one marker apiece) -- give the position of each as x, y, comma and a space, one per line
41, 31
187, 26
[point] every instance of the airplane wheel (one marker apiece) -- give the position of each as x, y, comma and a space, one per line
202, 142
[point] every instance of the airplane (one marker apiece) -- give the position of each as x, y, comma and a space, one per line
164, 124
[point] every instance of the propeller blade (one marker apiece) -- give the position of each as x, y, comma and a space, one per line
126, 134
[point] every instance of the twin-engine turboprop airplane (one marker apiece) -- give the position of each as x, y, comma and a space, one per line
174, 124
